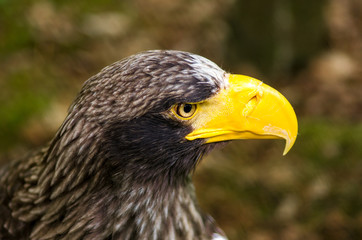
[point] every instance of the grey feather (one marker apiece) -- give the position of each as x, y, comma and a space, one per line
79, 187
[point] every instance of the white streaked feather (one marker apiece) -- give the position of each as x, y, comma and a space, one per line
217, 236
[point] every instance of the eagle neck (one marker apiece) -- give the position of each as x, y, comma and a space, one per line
172, 214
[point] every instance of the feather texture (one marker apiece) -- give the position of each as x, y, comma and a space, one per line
118, 167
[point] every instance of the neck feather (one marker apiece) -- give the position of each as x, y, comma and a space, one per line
159, 215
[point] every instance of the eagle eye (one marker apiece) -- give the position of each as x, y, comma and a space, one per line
185, 110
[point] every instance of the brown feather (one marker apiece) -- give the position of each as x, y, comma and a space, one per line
118, 167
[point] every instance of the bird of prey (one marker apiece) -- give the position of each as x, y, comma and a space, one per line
120, 165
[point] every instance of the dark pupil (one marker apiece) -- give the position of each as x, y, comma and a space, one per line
187, 108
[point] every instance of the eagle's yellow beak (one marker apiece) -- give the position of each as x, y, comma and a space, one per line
246, 109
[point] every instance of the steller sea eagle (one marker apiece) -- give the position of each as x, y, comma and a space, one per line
120, 165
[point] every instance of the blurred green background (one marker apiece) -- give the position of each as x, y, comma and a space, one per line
311, 51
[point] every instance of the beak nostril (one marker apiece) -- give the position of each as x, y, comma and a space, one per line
250, 105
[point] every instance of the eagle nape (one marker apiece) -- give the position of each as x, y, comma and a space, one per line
120, 165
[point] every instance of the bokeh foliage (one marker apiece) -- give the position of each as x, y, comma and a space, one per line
310, 50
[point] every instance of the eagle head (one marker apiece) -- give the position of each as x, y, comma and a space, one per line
154, 114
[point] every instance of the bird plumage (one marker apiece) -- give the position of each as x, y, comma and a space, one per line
119, 166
